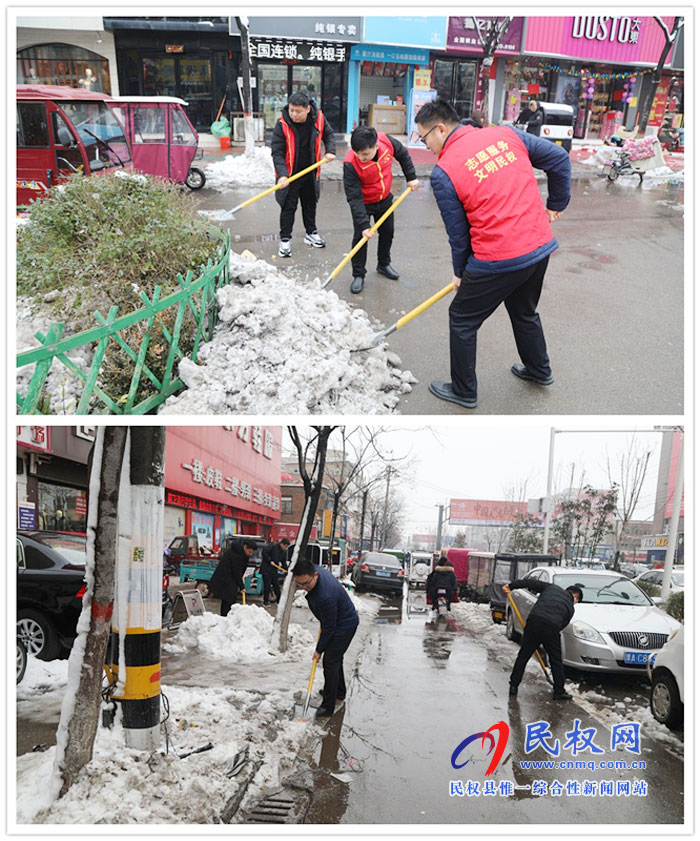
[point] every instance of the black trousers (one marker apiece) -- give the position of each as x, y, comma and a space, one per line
540, 632
226, 606
476, 299
334, 679
270, 581
385, 234
305, 190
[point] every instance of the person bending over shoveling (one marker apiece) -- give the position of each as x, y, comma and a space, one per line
331, 605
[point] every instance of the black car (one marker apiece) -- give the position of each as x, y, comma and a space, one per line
50, 589
378, 571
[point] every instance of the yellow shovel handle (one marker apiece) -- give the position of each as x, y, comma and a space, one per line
311, 679
387, 213
522, 625
243, 595
424, 306
278, 186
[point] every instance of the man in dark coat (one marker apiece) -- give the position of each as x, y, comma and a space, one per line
551, 613
367, 180
274, 558
227, 579
500, 236
531, 117
442, 578
296, 144
331, 605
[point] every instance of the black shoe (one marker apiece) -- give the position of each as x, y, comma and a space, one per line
387, 271
513, 690
340, 698
522, 372
357, 284
266, 603
444, 392
323, 712
562, 696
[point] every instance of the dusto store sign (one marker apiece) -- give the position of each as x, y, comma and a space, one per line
623, 30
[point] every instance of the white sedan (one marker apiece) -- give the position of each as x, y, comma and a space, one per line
615, 628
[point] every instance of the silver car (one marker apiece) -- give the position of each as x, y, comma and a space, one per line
615, 628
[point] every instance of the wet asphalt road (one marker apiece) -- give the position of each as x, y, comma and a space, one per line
418, 690
612, 305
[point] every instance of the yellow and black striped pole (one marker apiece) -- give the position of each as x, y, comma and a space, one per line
133, 656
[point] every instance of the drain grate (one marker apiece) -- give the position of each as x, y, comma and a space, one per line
283, 807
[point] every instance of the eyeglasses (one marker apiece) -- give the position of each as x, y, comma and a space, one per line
305, 585
422, 139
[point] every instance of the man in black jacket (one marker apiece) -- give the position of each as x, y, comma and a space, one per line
331, 605
274, 558
551, 613
296, 144
227, 579
531, 117
367, 180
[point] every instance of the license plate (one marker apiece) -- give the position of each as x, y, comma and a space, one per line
498, 615
636, 657
383, 574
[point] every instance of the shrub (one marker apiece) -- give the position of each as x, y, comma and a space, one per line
649, 588
674, 606
102, 240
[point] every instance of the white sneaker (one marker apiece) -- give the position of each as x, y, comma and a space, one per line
285, 249
315, 239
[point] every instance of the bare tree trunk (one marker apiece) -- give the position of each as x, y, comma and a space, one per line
312, 488
80, 709
362, 518
248, 122
334, 520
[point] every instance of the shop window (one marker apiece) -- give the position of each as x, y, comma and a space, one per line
286, 505
333, 96
63, 64
32, 128
61, 508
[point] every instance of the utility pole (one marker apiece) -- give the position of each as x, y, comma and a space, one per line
547, 512
386, 508
438, 538
365, 494
673, 530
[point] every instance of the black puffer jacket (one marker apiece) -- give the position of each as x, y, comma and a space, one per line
273, 553
442, 577
228, 576
554, 605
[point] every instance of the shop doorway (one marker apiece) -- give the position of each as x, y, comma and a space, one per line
277, 82
455, 81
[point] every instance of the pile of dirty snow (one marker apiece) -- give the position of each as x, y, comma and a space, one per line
242, 171
62, 388
287, 348
124, 786
42, 677
241, 637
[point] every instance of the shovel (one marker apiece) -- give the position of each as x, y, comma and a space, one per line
522, 625
278, 186
305, 709
387, 213
379, 338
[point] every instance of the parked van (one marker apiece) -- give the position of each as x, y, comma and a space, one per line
62, 131
557, 124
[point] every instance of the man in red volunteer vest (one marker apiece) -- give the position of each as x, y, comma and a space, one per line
367, 180
500, 236
296, 144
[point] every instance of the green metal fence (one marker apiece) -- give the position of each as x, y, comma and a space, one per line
195, 294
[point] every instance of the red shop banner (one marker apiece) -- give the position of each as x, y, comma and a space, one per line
231, 467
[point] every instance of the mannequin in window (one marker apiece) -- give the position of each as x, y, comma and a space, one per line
88, 80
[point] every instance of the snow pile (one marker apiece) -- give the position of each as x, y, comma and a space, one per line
242, 171
241, 637
42, 677
123, 786
600, 155
366, 607
62, 387
283, 347
662, 175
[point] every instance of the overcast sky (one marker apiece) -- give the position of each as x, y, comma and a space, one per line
481, 461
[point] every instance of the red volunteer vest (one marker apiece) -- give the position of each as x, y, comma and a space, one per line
492, 174
375, 175
291, 139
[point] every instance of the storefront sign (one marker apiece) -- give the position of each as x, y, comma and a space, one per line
658, 107
317, 28
405, 31
654, 541
229, 466
403, 55
462, 35
26, 515
421, 80
81, 505
280, 530
620, 39
174, 48
34, 438
207, 507
297, 51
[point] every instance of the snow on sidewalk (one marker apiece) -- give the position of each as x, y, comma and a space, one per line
242, 171
282, 346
